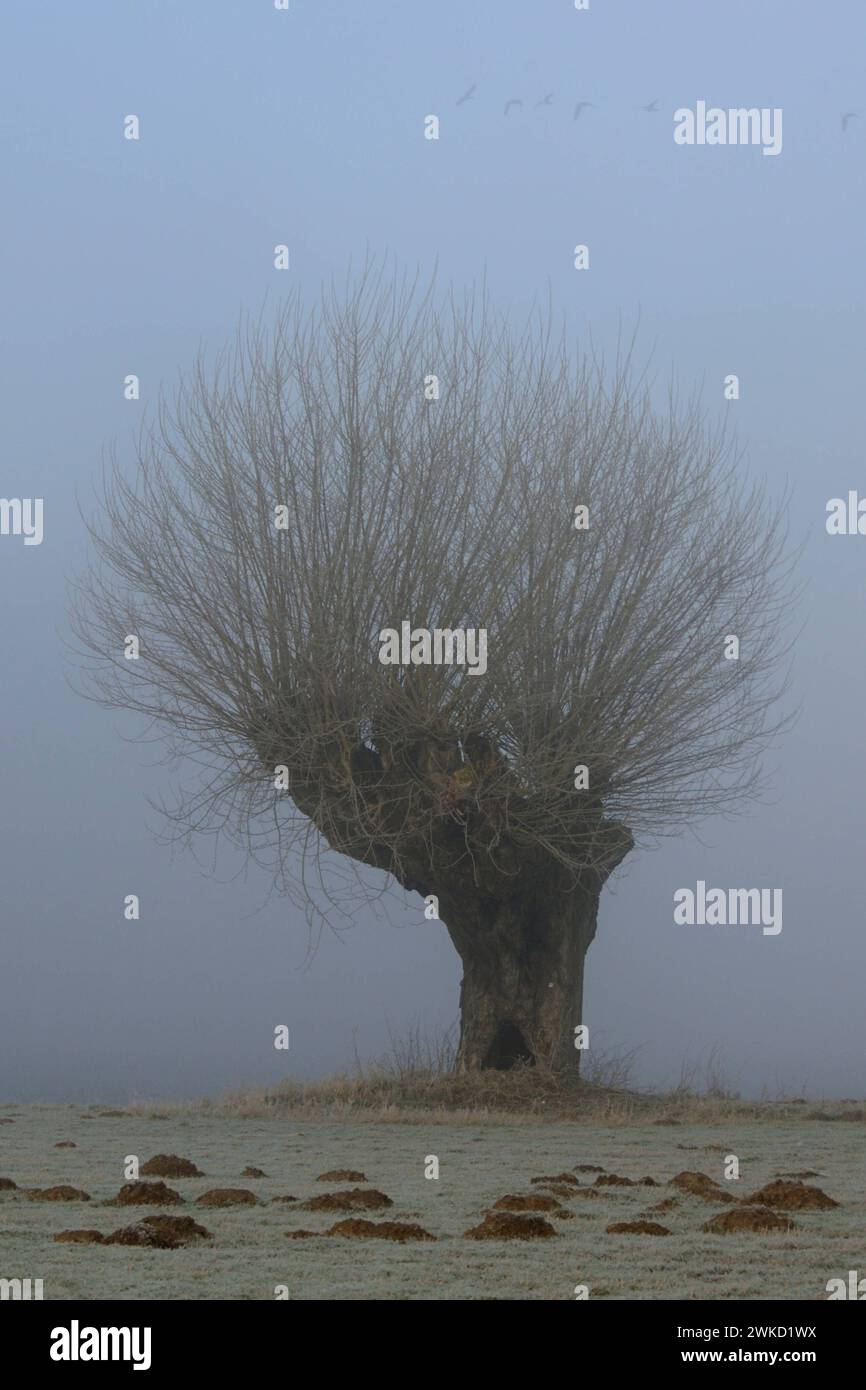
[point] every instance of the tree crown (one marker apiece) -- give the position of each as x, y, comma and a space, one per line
431, 458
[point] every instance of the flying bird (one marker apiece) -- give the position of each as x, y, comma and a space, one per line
467, 95
849, 116
513, 101
546, 101
580, 106
650, 106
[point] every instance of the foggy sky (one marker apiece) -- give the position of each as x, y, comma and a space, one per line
260, 127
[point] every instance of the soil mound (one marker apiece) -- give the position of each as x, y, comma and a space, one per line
341, 1175
170, 1166
160, 1233
61, 1193
504, 1225
614, 1180
254, 1173
66, 1144
353, 1199
563, 1179
526, 1201
792, 1196
146, 1194
180, 1227
227, 1197
747, 1219
699, 1185
558, 1190
7, 1185
141, 1235
637, 1228
358, 1229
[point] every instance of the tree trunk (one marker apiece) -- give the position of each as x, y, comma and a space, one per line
522, 991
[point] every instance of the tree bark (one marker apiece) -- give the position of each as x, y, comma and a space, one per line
522, 993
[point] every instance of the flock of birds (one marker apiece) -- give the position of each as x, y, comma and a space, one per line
547, 100
582, 105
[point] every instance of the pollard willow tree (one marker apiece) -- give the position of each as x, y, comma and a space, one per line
391, 456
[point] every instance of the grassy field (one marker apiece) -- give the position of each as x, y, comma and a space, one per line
480, 1159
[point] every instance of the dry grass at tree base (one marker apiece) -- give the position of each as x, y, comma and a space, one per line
429, 1091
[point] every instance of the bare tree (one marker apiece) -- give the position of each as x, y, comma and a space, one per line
431, 463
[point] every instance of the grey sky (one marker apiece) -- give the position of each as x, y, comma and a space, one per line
260, 127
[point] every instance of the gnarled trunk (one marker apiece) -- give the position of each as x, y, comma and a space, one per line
522, 990
521, 919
